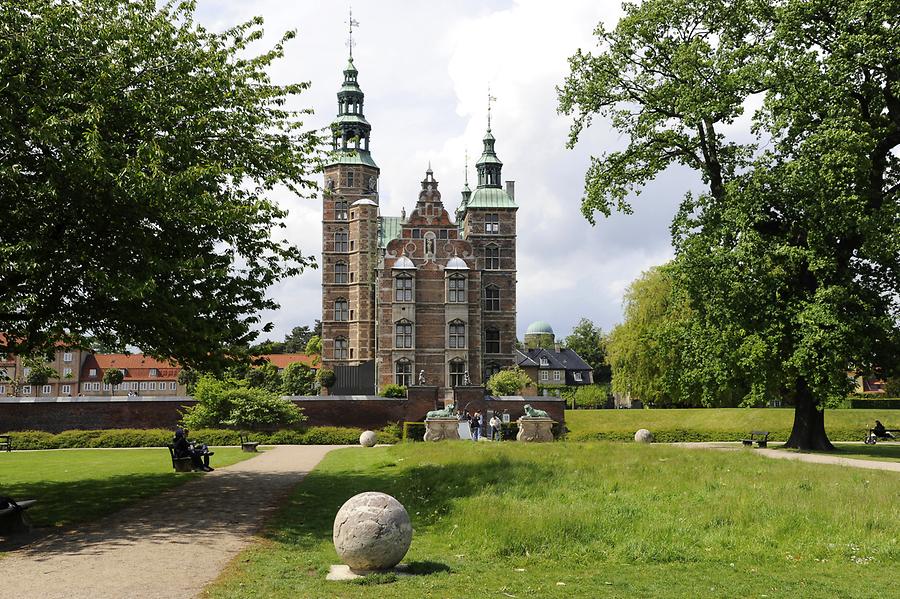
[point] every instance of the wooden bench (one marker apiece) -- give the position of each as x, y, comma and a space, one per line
14, 520
248, 445
5, 442
185, 464
761, 438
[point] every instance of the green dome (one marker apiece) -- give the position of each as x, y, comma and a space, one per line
539, 327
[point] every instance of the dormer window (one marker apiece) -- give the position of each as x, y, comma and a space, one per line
545, 362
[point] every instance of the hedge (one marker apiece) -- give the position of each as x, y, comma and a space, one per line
686, 436
314, 435
875, 404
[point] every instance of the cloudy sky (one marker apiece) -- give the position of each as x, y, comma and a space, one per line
425, 68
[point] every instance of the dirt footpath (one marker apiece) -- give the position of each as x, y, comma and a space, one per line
170, 546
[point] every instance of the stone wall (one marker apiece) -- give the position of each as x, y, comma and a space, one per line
55, 414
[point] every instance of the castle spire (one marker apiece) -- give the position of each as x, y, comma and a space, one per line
489, 165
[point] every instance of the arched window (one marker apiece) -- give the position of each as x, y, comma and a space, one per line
403, 372
457, 373
403, 288
341, 309
492, 257
341, 241
403, 334
491, 298
340, 209
457, 336
340, 272
492, 341
340, 348
456, 289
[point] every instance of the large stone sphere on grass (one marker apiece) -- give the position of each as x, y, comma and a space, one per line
372, 531
643, 436
367, 439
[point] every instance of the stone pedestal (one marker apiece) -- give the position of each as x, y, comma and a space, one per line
440, 429
535, 430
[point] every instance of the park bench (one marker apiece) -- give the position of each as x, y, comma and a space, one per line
184, 464
871, 439
761, 438
248, 445
5, 442
13, 518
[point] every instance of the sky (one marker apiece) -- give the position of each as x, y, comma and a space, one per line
425, 68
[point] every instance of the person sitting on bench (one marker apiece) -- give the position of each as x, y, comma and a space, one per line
880, 432
183, 448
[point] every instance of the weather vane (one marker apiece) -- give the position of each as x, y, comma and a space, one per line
351, 24
490, 99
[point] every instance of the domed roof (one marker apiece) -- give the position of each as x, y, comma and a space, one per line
456, 263
363, 202
404, 263
539, 327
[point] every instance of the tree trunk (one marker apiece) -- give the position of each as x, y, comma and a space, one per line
808, 433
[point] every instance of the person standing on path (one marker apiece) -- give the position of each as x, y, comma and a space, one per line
476, 426
496, 424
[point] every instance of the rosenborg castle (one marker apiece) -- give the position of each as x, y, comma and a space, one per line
424, 296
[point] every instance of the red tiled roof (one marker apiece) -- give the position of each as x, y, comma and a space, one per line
282, 360
136, 366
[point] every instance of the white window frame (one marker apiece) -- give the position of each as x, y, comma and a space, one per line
66, 389
67, 356
26, 390
576, 376
173, 386
151, 386
154, 372
545, 362
92, 372
143, 386
545, 376
46, 389
556, 375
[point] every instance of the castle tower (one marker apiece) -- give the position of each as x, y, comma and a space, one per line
349, 234
488, 218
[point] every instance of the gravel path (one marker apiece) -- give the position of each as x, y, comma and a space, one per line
815, 458
170, 546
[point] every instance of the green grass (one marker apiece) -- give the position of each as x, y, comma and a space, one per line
882, 452
589, 520
79, 485
716, 424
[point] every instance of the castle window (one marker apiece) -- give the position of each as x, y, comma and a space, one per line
443, 234
350, 176
492, 223
403, 372
340, 309
403, 334
340, 209
492, 257
456, 292
490, 370
340, 241
340, 348
457, 373
403, 290
492, 298
492, 341
340, 272
457, 337
417, 233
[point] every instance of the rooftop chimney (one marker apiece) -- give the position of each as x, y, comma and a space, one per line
511, 190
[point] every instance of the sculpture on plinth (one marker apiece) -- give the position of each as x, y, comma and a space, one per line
535, 426
445, 413
534, 413
441, 424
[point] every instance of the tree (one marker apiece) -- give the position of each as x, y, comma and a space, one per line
393, 390
314, 348
326, 377
783, 255
508, 382
588, 341
230, 403
112, 377
297, 340
139, 150
264, 376
298, 379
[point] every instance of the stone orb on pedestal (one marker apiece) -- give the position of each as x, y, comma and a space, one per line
368, 439
643, 436
372, 531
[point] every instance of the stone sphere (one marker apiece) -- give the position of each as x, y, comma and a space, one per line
372, 531
643, 436
367, 439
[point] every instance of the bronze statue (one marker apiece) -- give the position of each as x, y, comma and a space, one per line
445, 413
533, 413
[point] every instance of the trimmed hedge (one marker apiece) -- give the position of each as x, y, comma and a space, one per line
314, 435
875, 404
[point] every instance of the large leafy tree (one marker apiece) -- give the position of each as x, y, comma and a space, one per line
790, 256
137, 153
589, 342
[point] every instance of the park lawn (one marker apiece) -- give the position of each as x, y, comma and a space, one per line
882, 452
589, 520
716, 424
79, 485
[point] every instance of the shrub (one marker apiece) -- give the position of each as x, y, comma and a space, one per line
326, 377
298, 379
224, 403
591, 396
508, 382
875, 404
393, 390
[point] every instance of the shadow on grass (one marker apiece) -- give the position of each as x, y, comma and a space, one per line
888, 451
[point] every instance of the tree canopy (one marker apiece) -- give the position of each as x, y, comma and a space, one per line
138, 151
789, 257
588, 341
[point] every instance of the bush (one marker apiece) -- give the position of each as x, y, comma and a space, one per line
298, 379
508, 382
393, 390
326, 377
875, 404
591, 396
225, 403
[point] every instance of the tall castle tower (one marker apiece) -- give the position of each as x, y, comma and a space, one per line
349, 234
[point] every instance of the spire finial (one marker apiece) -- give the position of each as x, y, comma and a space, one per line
490, 99
467, 167
351, 24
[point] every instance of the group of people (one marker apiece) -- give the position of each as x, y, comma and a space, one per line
476, 423
198, 452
